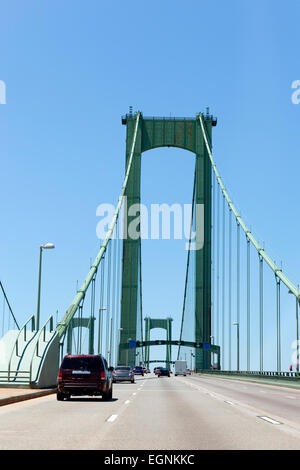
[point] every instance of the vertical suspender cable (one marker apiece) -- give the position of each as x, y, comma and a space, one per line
218, 268
248, 304
213, 229
101, 300
108, 299
238, 283
261, 318
113, 323
223, 285
229, 288
278, 324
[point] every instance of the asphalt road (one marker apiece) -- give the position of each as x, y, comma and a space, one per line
159, 413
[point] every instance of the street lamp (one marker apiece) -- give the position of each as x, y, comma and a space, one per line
138, 358
297, 332
192, 355
110, 341
100, 323
46, 246
238, 345
212, 340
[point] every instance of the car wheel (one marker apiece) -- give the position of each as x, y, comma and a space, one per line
107, 395
60, 396
132, 381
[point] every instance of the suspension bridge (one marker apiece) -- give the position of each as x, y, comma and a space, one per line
106, 313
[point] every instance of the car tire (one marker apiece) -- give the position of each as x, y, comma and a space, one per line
60, 396
107, 396
132, 381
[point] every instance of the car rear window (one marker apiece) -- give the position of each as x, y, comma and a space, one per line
82, 363
123, 368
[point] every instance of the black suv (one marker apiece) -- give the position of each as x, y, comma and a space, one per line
84, 375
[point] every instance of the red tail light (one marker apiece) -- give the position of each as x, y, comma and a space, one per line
102, 375
114, 372
59, 378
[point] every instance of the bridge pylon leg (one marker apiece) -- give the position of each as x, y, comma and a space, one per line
131, 251
203, 247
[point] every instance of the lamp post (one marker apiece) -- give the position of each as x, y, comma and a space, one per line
110, 342
118, 345
46, 246
127, 354
192, 355
237, 345
297, 335
100, 323
138, 358
212, 340
297, 331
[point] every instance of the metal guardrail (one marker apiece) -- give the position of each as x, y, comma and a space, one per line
265, 374
21, 375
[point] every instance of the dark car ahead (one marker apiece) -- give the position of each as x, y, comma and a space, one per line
138, 370
156, 370
163, 371
84, 375
123, 373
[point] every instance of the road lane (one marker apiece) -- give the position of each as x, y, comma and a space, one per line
45, 423
282, 402
155, 413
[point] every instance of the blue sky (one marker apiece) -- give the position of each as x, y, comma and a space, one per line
72, 69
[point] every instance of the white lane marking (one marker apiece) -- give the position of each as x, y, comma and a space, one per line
270, 420
290, 397
112, 418
134, 393
126, 402
229, 402
263, 391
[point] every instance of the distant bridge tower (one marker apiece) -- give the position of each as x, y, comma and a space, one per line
166, 324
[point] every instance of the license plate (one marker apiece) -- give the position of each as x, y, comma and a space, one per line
81, 371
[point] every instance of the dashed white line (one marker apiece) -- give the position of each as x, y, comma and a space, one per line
269, 420
126, 402
112, 418
291, 398
229, 402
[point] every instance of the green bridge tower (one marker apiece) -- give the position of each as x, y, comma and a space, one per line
154, 132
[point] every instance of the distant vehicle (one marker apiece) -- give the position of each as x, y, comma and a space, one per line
123, 373
180, 368
163, 371
84, 375
188, 372
138, 370
156, 369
